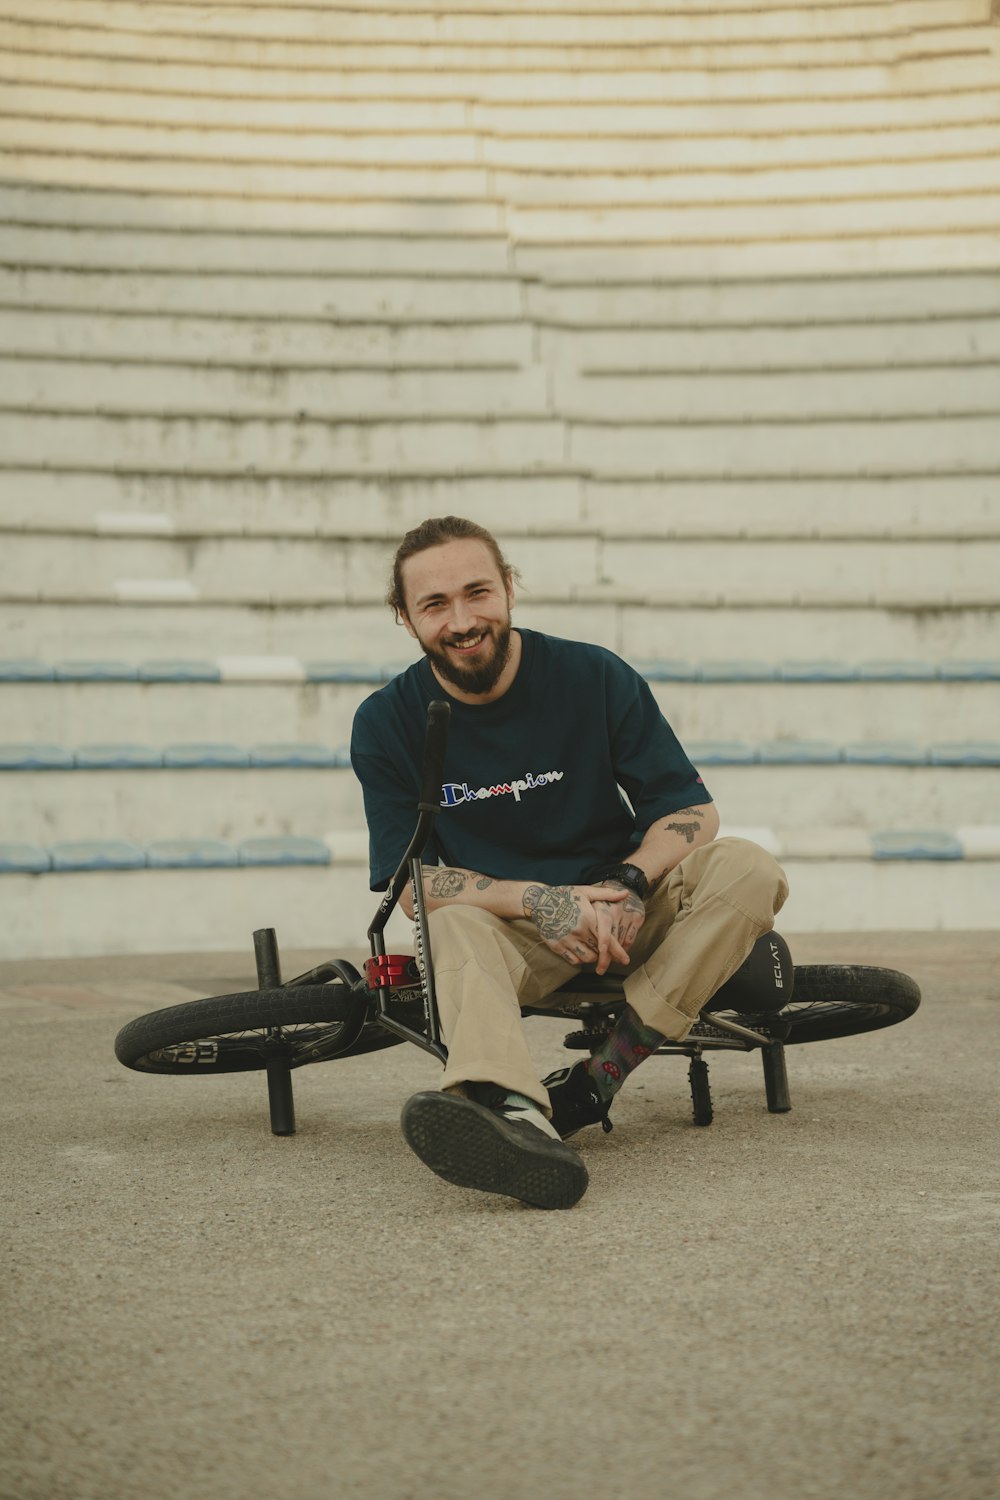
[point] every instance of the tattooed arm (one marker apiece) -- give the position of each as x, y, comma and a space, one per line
664, 845
566, 916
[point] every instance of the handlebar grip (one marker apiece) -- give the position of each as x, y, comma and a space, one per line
432, 764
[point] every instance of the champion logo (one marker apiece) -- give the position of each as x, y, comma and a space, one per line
456, 792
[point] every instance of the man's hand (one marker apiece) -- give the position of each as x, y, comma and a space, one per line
576, 923
623, 917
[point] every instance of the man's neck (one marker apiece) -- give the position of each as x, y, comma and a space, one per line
503, 683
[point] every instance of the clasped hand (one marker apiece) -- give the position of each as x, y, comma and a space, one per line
586, 924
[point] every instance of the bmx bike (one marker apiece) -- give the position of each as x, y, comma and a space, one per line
334, 1010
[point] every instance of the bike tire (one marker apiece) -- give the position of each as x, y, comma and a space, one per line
241, 1033
833, 1000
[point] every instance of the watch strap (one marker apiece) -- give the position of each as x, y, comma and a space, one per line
630, 876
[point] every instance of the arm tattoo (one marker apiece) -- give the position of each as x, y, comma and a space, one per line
554, 909
447, 883
687, 830
483, 882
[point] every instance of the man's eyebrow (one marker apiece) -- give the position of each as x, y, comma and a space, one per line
477, 583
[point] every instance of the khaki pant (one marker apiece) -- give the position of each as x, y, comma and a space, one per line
701, 923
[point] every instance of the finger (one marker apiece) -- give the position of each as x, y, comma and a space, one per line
603, 892
602, 919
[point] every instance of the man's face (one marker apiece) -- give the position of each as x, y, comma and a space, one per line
458, 609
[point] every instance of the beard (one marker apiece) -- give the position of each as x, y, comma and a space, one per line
478, 676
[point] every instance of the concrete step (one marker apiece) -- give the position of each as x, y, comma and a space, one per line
145, 73
774, 348
637, 630
60, 11
139, 384
860, 448
187, 126
887, 45
477, 128
795, 300
225, 444
785, 394
330, 299
253, 162
635, 225
161, 911
970, 444
141, 806
293, 571
397, 25
160, 713
911, 252
277, 343
899, 507
540, 155
253, 505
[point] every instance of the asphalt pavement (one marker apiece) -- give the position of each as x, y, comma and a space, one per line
775, 1307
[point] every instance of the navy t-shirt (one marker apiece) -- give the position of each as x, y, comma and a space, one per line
531, 781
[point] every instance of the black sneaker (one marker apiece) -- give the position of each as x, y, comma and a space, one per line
575, 1100
487, 1147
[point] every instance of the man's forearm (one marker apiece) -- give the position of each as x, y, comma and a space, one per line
448, 885
670, 838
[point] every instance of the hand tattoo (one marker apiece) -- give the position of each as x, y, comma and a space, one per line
447, 883
554, 910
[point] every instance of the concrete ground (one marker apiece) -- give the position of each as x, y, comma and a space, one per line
772, 1308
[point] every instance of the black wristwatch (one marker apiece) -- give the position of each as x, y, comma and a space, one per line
630, 876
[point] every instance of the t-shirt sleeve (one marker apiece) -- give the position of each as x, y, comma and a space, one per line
650, 763
390, 794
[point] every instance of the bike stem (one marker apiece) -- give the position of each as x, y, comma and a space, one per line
410, 869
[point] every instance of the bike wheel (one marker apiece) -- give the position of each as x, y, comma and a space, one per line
834, 1000
240, 1033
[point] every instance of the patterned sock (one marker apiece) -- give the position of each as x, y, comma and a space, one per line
631, 1042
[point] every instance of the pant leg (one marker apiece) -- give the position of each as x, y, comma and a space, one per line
485, 968
701, 923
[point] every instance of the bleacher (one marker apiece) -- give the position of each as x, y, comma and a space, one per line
698, 310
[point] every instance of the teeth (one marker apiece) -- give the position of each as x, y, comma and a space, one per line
466, 645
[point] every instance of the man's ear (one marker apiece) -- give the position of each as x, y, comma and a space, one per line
404, 619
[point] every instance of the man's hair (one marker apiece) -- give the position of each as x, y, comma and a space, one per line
434, 532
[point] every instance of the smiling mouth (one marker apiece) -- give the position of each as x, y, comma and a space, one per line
468, 645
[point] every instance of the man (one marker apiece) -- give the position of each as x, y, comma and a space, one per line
544, 865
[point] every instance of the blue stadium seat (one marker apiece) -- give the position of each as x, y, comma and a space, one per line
96, 671
885, 753
179, 671
970, 671
816, 671
916, 844
738, 671
667, 671
98, 854
35, 757
190, 854
23, 859
721, 753
204, 757
117, 758
897, 671
342, 671
800, 753
293, 755
25, 669
284, 851
966, 753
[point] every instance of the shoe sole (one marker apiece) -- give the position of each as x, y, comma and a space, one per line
469, 1146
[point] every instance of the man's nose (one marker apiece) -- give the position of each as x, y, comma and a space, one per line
462, 618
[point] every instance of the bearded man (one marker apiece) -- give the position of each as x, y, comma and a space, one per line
574, 831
